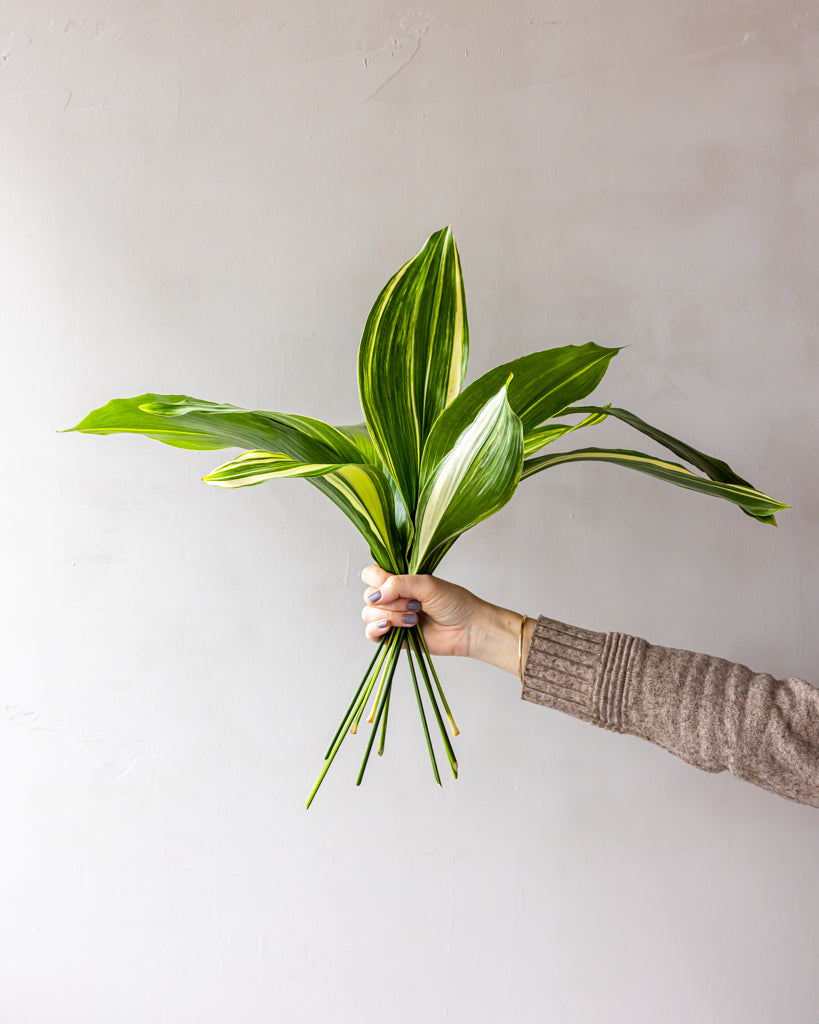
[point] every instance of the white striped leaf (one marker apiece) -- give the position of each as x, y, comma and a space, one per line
539, 437
360, 436
256, 467
412, 357
360, 491
754, 502
470, 469
190, 423
713, 468
543, 383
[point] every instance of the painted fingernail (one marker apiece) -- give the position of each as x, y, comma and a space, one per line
374, 597
413, 605
410, 620
382, 624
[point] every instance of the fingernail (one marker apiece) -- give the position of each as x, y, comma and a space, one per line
382, 624
410, 620
374, 597
413, 605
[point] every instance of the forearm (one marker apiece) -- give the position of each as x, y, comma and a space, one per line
710, 712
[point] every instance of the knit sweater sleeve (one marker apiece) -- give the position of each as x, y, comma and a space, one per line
710, 712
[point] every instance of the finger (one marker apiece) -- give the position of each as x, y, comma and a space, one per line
405, 604
374, 576
380, 616
373, 631
391, 589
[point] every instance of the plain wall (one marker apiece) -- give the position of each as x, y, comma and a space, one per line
206, 198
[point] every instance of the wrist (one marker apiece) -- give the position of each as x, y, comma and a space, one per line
495, 638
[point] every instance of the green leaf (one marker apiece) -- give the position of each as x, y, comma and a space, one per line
539, 437
256, 467
470, 469
543, 383
412, 357
714, 469
205, 426
361, 492
754, 502
360, 437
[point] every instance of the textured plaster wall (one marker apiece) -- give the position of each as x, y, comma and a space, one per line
206, 198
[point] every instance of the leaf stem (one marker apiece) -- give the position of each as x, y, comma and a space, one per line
384, 721
355, 707
423, 718
373, 679
455, 730
450, 753
378, 713
352, 703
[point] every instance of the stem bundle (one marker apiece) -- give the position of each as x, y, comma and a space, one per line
379, 678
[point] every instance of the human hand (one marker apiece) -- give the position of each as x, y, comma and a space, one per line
453, 620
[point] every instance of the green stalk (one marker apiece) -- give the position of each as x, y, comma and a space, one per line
453, 726
384, 722
450, 753
373, 680
378, 714
352, 703
423, 718
396, 654
356, 706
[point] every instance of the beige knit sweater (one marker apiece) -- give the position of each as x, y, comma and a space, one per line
708, 711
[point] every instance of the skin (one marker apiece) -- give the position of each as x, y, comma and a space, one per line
454, 621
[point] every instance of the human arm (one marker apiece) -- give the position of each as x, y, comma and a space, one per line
710, 712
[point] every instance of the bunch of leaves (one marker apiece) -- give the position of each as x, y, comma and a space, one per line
431, 459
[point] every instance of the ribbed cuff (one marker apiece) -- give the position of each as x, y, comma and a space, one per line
583, 673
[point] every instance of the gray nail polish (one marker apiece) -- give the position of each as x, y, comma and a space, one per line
382, 624
413, 605
374, 597
410, 620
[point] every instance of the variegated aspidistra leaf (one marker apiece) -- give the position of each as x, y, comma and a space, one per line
191, 423
470, 469
412, 357
714, 469
360, 491
754, 502
544, 383
256, 467
360, 436
539, 437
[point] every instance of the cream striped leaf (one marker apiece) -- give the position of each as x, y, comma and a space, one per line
365, 498
256, 467
361, 492
754, 502
543, 383
412, 357
470, 469
713, 468
360, 436
206, 426
539, 437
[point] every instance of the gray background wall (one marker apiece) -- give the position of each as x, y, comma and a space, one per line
206, 198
